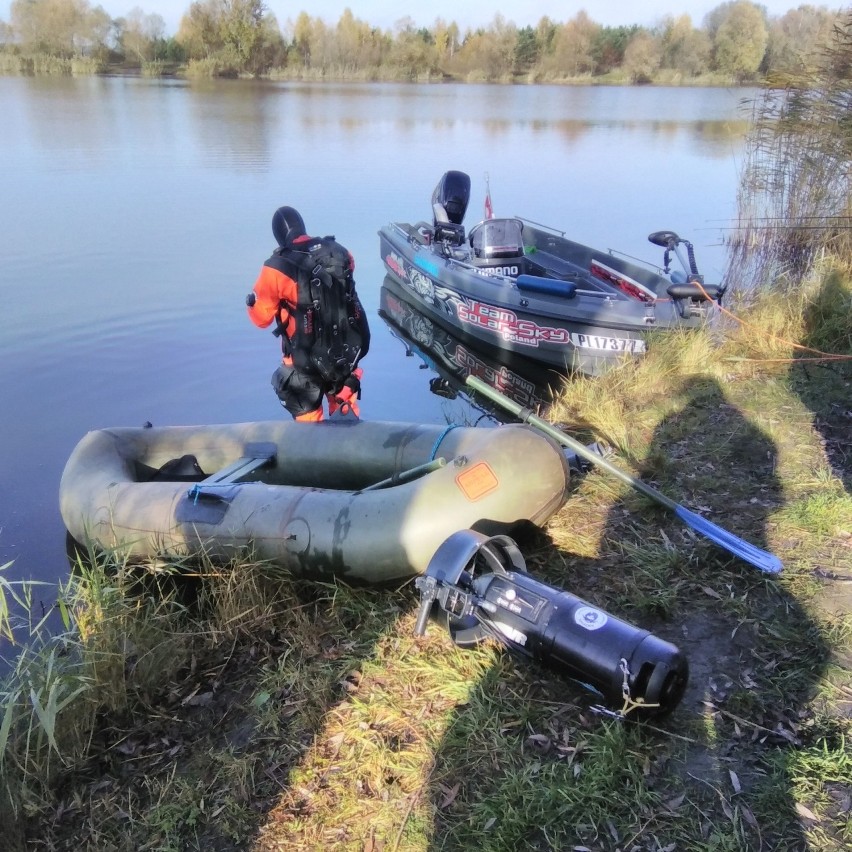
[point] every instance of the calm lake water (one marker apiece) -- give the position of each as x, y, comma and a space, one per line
135, 215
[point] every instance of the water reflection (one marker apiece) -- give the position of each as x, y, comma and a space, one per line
452, 359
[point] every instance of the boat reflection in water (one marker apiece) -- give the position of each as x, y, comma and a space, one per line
454, 358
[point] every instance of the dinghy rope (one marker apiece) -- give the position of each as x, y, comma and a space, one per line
821, 356
440, 438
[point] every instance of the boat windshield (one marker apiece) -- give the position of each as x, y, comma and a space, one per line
498, 238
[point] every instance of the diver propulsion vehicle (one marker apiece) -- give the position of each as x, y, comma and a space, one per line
477, 587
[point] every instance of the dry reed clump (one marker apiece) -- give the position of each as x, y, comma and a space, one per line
795, 198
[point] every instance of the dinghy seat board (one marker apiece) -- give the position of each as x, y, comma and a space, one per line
255, 456
209, 506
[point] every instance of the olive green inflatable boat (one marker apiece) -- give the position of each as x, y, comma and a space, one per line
370, 501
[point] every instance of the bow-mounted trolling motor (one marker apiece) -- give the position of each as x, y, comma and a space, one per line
478, 588
688, 287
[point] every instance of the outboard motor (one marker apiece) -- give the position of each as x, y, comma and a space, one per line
477, 588
449, 204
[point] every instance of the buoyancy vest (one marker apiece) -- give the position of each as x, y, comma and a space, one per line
328, 337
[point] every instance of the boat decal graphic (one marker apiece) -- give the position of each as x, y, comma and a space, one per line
499, 376
508, 326
483, 319
510, 271
428, 266
477, 481
396, 263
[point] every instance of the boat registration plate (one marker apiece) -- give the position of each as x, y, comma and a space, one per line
608, 344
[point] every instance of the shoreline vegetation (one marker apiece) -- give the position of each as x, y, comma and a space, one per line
235, 707
737, 43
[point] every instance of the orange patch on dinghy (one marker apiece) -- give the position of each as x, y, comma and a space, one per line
477, 481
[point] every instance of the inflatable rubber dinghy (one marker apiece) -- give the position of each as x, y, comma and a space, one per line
367, 500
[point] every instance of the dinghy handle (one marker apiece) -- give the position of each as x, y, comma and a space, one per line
408, 475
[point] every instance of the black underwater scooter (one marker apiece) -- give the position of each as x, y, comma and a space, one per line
478, 588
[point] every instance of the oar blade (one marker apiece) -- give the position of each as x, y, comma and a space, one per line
766, 562
761, 559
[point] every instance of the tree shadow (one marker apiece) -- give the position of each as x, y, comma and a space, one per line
719, 761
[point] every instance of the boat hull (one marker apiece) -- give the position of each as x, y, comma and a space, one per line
311, 509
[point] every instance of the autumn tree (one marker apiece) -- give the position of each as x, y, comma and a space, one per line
684, 48
237, 33
446, 40
140, 34
609, 45
303, 37
412, 51
62, 28
359, 47
797, 39
642, 57
740, 39
572, 46
198, 32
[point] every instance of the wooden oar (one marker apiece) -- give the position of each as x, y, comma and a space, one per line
766, 562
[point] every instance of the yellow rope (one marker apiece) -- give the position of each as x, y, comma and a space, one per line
824, 356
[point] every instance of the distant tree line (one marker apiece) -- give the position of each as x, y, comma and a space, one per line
737, 41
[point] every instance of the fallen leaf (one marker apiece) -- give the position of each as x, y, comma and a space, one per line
807, 813
712, 592
735, 781
748, 816
336, 740
488, 824
449, 796
676, 802
260, 699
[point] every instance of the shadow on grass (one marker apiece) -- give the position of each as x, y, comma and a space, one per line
526, 764
825, 386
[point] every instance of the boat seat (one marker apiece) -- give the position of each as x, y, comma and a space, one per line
255, 456
207, 501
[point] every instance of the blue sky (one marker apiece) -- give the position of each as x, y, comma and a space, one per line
385, 13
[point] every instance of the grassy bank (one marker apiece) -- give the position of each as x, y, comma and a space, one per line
253, 711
